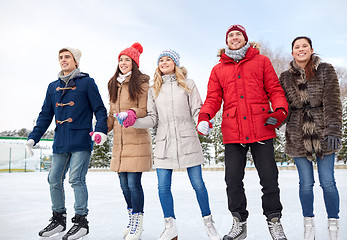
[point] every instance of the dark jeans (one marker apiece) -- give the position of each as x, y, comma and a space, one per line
130, 183
264, 160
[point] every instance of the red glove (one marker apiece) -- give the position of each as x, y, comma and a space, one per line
276, 118
130, 120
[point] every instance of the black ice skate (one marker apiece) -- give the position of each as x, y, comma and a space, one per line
79, 229
57, 224
238, 230
275, 227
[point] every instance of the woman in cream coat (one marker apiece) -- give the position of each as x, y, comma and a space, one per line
173, 103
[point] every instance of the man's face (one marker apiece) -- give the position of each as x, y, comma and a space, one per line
67, 62
236, 40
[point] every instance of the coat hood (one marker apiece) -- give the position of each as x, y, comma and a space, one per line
184, 71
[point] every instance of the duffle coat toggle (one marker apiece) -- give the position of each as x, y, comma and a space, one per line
71, 103
70, 86
66, 120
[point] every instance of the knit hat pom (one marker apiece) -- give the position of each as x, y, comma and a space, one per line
138, 47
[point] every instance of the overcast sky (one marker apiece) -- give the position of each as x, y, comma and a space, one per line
32, 32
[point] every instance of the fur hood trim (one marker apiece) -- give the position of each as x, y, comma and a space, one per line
253, 45
184, 71
296, 69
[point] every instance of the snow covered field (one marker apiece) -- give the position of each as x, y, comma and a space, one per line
25, 206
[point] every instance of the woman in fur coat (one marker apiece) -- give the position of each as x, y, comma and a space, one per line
314, 127
132, 148
173, 105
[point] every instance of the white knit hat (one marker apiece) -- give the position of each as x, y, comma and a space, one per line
76, 53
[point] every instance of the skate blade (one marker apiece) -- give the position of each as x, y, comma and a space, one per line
57, 236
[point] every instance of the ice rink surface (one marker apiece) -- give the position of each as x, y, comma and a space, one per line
25, 206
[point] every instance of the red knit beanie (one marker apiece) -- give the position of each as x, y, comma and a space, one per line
237, 27
133, 52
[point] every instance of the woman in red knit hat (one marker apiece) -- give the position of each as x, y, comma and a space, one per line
132, 148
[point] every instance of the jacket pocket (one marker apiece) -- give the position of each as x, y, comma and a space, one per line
230, 125
79, 136
188, 141
260, 113
160, 144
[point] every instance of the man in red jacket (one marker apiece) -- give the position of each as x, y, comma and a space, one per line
246, 83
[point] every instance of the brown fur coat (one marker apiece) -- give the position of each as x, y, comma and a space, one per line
315, 109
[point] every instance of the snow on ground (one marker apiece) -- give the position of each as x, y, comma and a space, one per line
25, 206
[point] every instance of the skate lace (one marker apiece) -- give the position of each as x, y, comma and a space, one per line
211, 228
74, 229
135, 222
52, 225
308, 231
167, 228
276, 230
236, 230
131, 217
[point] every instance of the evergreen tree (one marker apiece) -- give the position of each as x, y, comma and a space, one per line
217, 138
342, 155
279, 143
205, 142
101, 155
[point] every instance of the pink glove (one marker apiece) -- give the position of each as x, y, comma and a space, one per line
130, 120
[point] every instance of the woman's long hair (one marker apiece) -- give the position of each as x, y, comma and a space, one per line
134, 84
181, 74
309, 68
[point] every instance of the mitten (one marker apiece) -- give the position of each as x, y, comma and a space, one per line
276, 118
130, 120
98, 137
29, 147
121, 117
204, 127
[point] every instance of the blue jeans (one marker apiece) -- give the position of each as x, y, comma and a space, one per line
165, 195
130, 182
325, 168
78, 163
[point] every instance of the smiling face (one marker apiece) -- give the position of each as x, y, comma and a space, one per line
236, 40
67, 62
166, 65
302, 52
125, 64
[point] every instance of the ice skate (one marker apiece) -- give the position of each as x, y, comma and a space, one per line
275, 227
136, 227
127, 229
170, 231
79, 229
333, 227
57, 224
238, 230
210, 229
309, 229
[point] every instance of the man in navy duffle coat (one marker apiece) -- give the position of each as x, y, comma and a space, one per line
72, 100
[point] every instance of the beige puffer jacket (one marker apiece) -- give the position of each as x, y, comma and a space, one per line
132, 148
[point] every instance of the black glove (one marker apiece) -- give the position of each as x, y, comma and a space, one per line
271, 121
333, 142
